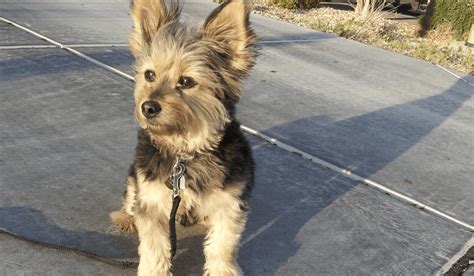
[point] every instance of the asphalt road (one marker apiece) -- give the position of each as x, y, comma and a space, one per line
381, 184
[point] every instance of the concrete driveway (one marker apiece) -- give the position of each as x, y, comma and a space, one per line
364, 157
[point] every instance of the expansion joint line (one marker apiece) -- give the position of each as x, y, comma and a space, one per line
69, 49
273, 141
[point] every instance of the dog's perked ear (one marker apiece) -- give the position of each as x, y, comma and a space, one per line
148, 17
228, 25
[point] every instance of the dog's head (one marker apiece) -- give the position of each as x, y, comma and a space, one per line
188, 78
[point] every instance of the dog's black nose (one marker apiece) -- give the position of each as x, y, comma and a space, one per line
150, 109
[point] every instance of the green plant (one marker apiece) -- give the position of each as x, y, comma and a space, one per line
296, 4
458, 13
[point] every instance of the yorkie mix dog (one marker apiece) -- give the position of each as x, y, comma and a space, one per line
188, 81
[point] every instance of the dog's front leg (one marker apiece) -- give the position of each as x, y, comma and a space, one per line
154, 248
222, 241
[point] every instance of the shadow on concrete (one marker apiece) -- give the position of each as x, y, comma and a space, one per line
39, 62
289, 192
189, 257
33, 224
377, 138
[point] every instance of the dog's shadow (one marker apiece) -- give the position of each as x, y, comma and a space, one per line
33, 224
189, 259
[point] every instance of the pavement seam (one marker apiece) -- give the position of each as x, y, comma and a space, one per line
111, 45
355, 177
415, 203
17, 47
41, 46
96, 45
31, 32
455, 75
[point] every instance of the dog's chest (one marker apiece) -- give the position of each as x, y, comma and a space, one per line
201, 177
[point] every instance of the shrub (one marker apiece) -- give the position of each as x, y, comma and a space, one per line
296, 4
458, 13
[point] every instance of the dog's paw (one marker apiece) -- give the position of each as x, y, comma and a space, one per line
123, 221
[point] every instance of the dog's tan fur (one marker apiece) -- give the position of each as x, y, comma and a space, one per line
196, 124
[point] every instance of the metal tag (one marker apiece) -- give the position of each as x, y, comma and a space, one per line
182, 182
177, 179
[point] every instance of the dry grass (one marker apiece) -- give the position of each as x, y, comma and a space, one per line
367, 9
438, 46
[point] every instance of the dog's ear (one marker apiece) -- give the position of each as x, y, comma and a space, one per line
148, 17
228, 25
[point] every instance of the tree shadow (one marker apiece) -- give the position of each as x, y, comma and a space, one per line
289, 191
377, 138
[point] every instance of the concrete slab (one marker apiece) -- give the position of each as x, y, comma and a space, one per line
12, 36
380, 128
57, 158
117, 57
62, 151
65, 147
381, 124
309, 221
93, 21
73, 21
406, 124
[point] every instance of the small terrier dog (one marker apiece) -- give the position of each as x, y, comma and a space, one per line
188, 81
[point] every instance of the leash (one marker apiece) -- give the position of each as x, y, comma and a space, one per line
121, 264
178, 182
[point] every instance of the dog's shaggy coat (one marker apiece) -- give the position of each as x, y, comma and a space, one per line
191, 75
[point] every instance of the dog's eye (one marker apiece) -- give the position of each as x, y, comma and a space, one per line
186, 82
150, 75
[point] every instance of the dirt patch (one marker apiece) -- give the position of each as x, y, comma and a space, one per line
462, 264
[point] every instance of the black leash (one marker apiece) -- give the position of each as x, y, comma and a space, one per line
178, 182
122, 264
172, 233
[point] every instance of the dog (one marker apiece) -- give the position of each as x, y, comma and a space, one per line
187, 85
